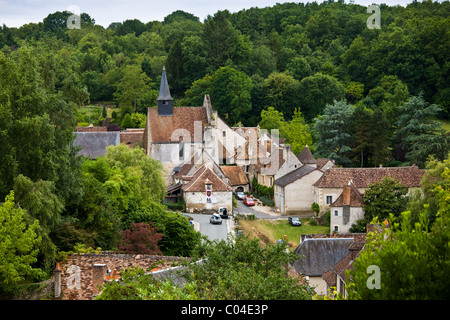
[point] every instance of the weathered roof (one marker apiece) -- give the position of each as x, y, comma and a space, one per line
181, 123
93, 144
306, 156
201, 177
131, 137
363, 177
294, 175
350, 196
320, 254
235, 174
321, 162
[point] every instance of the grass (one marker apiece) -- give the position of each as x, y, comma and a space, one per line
269, 231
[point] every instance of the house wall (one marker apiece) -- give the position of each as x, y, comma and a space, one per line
319, 285
356, 213
298, 195
197, 201
291, 163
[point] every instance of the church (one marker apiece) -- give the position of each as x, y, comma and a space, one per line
188, 141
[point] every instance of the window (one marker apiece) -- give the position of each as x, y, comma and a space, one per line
329, 199
224, 133
336, 228
336, 213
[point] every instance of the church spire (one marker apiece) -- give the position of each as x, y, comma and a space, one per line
164, 99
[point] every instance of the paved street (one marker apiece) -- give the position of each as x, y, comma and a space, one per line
212, 231
243, 209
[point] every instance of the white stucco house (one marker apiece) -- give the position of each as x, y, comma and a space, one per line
294, 191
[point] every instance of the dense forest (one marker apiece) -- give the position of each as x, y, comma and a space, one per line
316, 72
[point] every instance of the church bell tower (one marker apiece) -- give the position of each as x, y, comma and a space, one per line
164, 102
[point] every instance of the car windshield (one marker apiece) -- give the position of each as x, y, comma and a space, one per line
295, 219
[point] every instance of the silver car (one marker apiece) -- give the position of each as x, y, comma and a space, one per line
215, 219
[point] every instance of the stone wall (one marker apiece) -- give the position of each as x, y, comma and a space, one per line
81, 274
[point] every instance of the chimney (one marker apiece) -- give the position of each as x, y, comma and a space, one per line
346, 196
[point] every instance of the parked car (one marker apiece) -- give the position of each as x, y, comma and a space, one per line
223, 212
239, 195
294, 221
249, 201
215, 219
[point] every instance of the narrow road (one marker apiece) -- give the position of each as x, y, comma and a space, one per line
243, 209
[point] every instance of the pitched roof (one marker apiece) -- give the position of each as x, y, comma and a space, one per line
201, 177
182, 121
320, 254
235, 174
93, 144
321, 162
350, 196
164, 92
363, 177
294, 175
306, 156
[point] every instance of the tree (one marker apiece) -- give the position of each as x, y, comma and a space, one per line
134, 87
282, 93
220, 37
382, 200
333, 132
419, 134
318, 90
271, 119
231, 93
411, 258
296, 132
141, 238
18, 246
241, 269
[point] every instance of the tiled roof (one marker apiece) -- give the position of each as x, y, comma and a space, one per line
93, 144
350, 196
363, 177
320, 254
162, 127
199, 179
294, 175
321, 162
235, 174
306, 156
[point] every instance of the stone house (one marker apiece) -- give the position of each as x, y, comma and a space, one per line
346, 210
206, 191
236, 177
336, 277
319, 254
294, 191
328, 188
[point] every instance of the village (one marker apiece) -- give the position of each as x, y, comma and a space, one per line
206, 162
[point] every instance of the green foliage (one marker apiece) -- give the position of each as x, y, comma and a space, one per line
18, 246
411, 257
333, 131
382, 200
421, 136
241, 269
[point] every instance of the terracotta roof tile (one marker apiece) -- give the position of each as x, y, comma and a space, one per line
306, 156
235, 174
162, 127
363, 177
199, 179
350, 196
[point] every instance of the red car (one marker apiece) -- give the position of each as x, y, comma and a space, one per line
249, 201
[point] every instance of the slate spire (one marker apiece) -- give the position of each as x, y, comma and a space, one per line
164, 101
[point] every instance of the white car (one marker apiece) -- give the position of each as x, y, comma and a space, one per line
215, 219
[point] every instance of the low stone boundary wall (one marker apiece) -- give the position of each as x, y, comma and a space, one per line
79, 276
